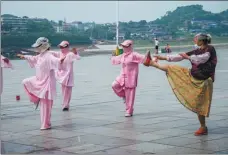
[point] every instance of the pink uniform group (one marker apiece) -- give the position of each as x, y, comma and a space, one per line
58, 66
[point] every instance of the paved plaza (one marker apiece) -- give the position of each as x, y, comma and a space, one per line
95, 124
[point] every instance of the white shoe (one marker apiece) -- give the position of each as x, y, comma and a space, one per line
45, 128
128, 115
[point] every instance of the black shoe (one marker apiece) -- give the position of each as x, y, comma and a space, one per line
65, 109
37, 104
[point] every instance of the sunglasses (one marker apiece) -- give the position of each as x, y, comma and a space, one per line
125, 46
61, 47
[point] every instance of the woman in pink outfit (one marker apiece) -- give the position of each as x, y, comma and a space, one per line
125, 84
5, 63
41, 88
65, 75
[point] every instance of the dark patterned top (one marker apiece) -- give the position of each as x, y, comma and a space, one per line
207, 69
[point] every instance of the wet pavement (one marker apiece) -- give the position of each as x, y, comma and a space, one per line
95, 124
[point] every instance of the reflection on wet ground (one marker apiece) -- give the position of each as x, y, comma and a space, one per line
95, 124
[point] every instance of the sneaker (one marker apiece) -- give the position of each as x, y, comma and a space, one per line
148, 59
37, 104
201, 131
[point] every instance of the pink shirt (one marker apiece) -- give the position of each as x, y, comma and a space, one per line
65, 74
130, 68
195, 59
43, 84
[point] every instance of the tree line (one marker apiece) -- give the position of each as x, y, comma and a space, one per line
26, 40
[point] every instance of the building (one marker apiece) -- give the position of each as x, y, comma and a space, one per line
77, 24
59, 29
37, 20
13, 23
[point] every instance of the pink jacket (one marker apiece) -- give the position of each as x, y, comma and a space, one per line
65, 75
43, 84
130, 68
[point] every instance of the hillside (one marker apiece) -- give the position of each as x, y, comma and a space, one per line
183, 15
181, 23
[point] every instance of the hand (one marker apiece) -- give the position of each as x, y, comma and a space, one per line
74, 50
6, 60
62, 59
21, 56
184, 55
114, 53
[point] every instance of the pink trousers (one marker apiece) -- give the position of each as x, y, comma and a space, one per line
127, 93
45, 109
66, 91
45, 113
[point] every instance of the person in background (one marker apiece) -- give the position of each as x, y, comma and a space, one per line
65, 75
167, 48
156, 42
125, 84
41, 88
193, 87
5, 63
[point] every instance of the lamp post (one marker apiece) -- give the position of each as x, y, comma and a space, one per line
117, 23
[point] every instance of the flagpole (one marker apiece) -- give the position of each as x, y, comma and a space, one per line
117, 23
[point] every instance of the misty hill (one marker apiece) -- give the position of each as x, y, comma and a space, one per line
184, 14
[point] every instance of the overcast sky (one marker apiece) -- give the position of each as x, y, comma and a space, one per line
101, 11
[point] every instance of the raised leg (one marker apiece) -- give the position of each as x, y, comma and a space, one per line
159, 66
118, 89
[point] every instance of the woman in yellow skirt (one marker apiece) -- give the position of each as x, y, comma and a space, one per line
193, 87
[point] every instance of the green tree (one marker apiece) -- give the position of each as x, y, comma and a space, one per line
44, 26
127, 35
142, 22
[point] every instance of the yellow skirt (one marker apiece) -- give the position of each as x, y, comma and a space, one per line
195, 95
